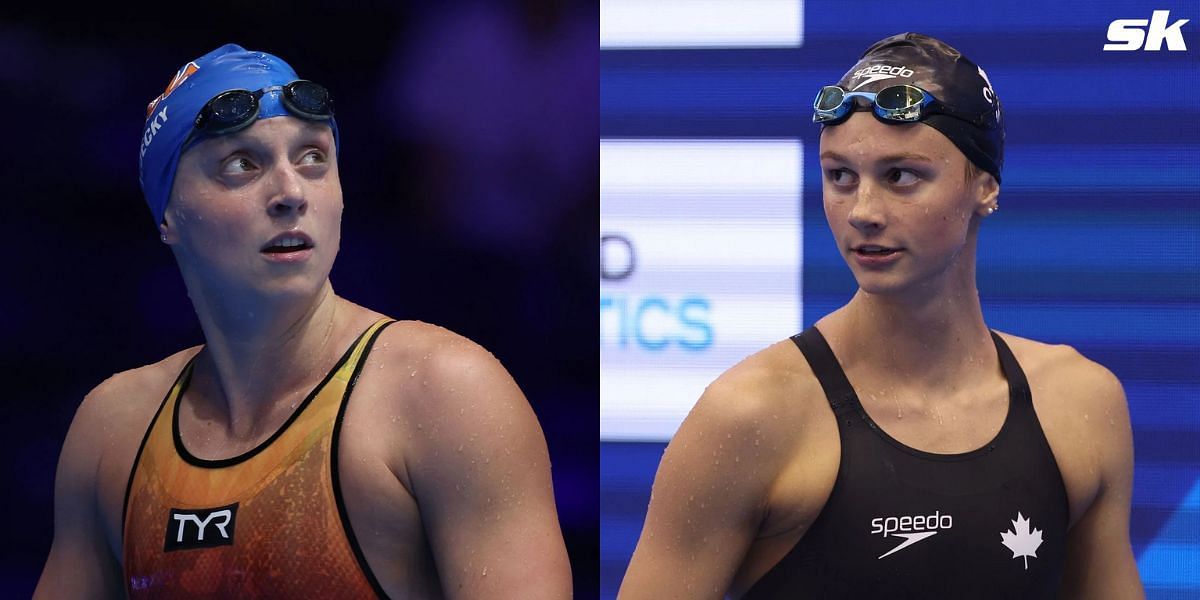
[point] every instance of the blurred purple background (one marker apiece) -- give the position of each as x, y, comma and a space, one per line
469, 167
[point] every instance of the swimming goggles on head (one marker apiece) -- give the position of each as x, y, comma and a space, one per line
895, 104
234, 110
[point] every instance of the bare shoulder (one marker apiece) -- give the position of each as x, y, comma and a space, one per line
1082, 410
104, 438
1059, 373
472, 455
444, 390
729, 477
435, 368
129, 398
749, 426
769, 393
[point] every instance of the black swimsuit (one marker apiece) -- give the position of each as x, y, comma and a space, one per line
902, 523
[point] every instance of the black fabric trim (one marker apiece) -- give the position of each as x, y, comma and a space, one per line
343, 515
189, 458
1018, 393
1012, 369
1016, 379
185, 372
824, 363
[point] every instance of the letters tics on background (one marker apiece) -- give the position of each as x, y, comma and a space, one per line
700, 238
713, 241
700, 266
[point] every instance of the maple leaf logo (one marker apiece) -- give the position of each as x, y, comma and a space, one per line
1021, 540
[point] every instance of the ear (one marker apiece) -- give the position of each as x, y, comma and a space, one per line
986, 191
166, 232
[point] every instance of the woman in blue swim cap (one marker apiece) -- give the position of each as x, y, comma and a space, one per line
311, 447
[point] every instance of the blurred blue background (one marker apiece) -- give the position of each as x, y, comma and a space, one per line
468, 164
1096, 245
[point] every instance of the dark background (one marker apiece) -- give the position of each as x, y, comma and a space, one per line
468, 162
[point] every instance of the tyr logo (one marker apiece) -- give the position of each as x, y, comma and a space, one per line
187, 529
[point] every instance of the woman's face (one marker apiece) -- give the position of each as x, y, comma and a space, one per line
259, 210
899, 204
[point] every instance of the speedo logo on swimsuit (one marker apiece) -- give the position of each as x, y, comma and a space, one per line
878, 72
912, 528
200, 528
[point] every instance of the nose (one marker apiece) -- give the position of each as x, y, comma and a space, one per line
868, 214
287, 193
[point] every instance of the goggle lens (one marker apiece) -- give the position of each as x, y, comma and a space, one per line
234, 110
308, 99
899, 97
227, 112
829, 98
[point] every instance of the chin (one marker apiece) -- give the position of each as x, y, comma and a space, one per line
901, 282
878, 288
884, 283
292, 287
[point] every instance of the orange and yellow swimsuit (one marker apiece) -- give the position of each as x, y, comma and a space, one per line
270, 523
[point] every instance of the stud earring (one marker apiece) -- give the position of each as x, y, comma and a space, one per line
163, 237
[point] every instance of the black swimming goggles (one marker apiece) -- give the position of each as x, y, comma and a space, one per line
234, 110
896, 104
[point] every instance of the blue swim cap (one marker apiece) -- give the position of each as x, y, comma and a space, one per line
171, 116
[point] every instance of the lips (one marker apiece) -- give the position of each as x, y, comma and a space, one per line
288, 242
876, 256
875, 250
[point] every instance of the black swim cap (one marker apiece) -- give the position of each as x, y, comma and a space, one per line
939, 69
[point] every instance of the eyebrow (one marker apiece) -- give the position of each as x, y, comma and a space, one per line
889, 159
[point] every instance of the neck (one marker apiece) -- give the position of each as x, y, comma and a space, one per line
928, 337
260, 354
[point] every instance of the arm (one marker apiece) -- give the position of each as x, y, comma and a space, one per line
481, 476
1100, 562
710, 495
81, 564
